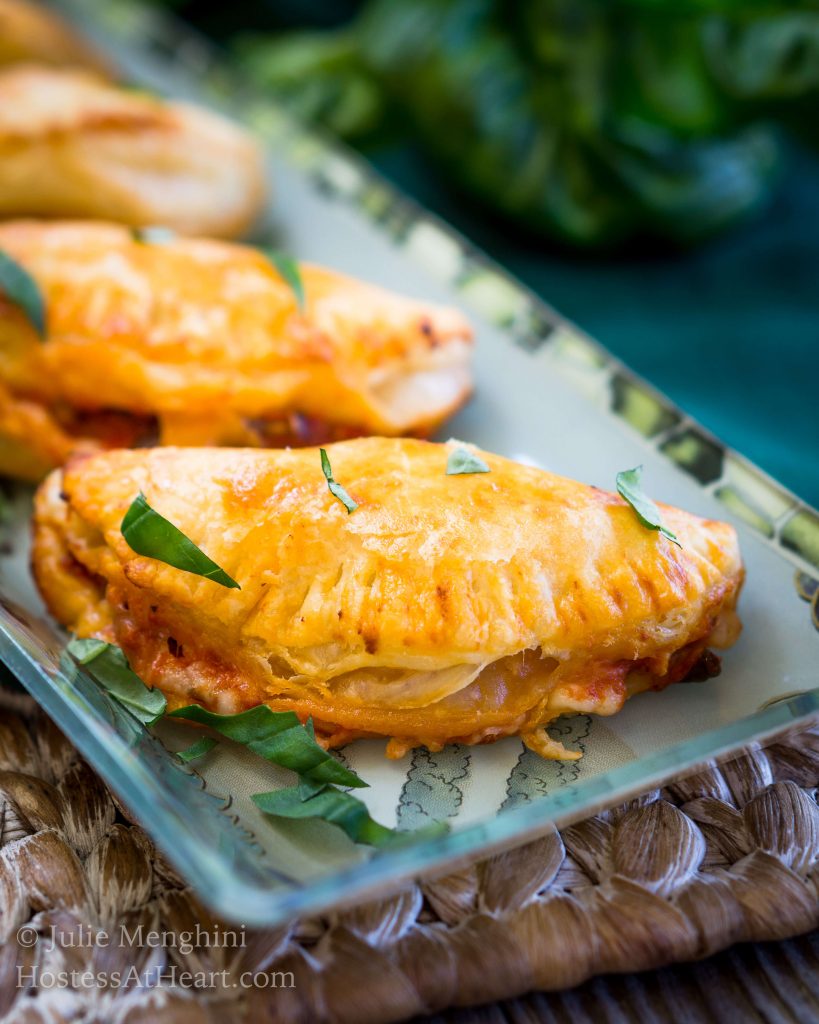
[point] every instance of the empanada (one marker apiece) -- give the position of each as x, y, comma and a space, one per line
30, 32
72, 145
443, 609
199, 342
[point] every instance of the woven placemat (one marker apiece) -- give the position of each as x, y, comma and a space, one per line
726, 855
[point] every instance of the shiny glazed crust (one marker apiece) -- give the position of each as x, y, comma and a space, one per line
71, 145
202, 342
445, 608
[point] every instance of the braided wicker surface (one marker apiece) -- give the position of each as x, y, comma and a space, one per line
728, 855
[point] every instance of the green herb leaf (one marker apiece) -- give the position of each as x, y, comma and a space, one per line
308, 788
629, 488
343, 810
20, 288
152, 535
196, 750
336, 489
153, 234
109, 667
463, 461
331, 805
84, 651
277, 736
289, 270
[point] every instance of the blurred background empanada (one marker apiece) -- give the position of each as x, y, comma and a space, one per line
29, 32
72, 145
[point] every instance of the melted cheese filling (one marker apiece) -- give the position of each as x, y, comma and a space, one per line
388, 687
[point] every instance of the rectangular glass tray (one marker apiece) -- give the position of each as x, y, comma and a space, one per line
545, 394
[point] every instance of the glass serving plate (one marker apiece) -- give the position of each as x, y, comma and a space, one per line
546, 394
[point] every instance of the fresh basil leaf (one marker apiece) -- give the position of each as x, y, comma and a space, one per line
196, 750
342, 809
84, 651
463, 461
308, 788
336, 489
21, 290
332, 805
154, 536
289, 270
630, 488
108, 666
277, 736
153, 234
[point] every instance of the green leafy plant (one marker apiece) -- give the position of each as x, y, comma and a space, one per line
321, 78
585, 120
588, 121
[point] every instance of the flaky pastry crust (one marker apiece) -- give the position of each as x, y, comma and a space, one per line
444, 609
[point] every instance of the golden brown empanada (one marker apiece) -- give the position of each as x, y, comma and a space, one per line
443, 609
29, 32
203, 343
72, 145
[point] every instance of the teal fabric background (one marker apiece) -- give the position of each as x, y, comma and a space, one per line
729, 331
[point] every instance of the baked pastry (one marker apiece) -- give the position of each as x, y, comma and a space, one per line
30, 32
71, 145
200, 342
442, 609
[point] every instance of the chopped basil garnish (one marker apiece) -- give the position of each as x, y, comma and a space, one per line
84, 651
462, 461
153, 234
196, 750
277, 736
152, 535
108, 666
308, 788
20, 288
341, 809
336, 489
629, 488
329, 804
289, 270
